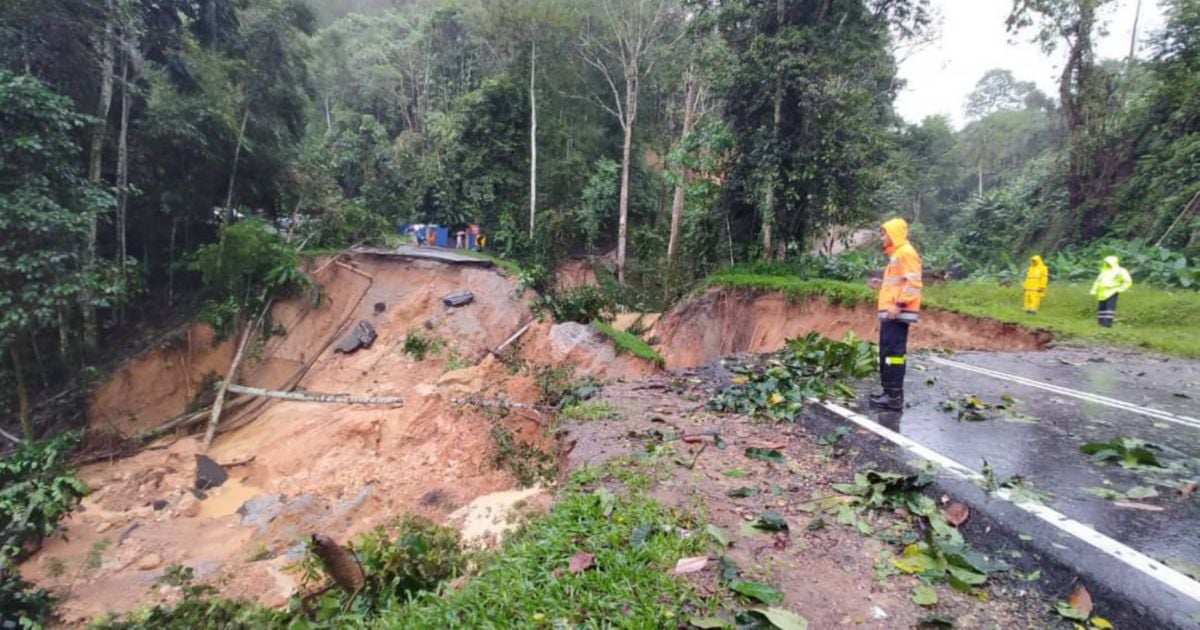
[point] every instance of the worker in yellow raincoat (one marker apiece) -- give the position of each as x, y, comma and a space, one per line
1036, 280
1112, 281
899, 306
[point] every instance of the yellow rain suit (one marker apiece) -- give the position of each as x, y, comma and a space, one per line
1036, 280
902, 276
1110, 284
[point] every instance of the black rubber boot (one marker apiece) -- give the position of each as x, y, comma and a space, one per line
891, 399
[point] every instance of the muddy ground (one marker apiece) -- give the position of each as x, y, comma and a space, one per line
297, 468
831, 574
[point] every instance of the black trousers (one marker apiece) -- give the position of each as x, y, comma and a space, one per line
893, 348
1106, 312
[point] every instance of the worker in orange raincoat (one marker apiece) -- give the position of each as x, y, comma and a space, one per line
899, 305
1036, 280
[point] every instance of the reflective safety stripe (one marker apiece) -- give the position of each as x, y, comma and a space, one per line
911, 290
894, 360
913, 276
893, 281
908, 316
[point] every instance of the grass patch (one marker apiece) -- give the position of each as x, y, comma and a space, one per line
837, 292
507, 265
630, 344
589, 411
528, 584
1150, 318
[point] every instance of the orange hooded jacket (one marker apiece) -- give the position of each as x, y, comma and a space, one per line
902, 276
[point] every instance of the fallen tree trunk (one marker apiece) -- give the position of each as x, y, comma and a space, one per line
185, 420
344, 399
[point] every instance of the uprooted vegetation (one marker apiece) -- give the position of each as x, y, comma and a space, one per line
811, 367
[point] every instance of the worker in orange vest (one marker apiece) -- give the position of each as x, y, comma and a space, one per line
1036, 280
899, 304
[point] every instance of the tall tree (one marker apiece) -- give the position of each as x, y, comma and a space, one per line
1073, 24
47, 208
622, 40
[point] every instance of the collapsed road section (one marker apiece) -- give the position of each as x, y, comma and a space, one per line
281, 469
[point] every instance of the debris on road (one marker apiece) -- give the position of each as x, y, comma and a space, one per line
362, 336
458, 298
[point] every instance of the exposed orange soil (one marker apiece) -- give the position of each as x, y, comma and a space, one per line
307, 467
722, 322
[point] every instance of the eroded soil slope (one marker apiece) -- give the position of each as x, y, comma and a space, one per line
721, 322
298, 468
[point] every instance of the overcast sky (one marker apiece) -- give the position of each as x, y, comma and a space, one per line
972, 40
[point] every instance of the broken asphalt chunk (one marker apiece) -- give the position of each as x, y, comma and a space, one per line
209, 474
458, 298
362, 336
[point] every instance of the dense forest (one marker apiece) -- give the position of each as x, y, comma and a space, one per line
670, 137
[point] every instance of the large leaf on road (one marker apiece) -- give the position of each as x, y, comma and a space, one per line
764, 593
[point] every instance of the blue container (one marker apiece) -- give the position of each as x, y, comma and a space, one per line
443, 236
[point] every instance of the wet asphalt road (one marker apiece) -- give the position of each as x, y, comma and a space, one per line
1042, 444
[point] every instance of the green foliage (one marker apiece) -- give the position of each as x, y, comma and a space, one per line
941, 554
37, 490
23, 603
419, 345
589, 411
404, 559
46, 206
527, 583
1129, 452
345, 224
629, 343
560, 388
528, 464
835, 291
582, 304
1147, 317
809, 367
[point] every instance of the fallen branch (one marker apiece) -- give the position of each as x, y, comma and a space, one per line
184, 420
516, 335
215, 418
1186, 209
344, 399
476, 402
13, 438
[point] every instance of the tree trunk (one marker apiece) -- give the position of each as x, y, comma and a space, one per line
215, 417
631, 98
770, 212
171, 262
237, 153
22, 391
532, 136
981, 178
689, 112
123, 170
95, 158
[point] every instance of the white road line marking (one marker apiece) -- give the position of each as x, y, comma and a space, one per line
1085, 396
1109, 546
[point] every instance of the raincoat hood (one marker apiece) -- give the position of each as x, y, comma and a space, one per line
1036, 261
1111, 262
897, 231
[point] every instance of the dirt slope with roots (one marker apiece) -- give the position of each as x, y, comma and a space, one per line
721, 322
301, 468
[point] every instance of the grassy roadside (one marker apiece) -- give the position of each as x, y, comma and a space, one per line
630, 343
1147, 317
627, 582
836, 291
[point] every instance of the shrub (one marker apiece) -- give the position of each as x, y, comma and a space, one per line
37, 490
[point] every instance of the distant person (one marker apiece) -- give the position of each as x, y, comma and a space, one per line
899, 303
1036, 280
1112, 281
